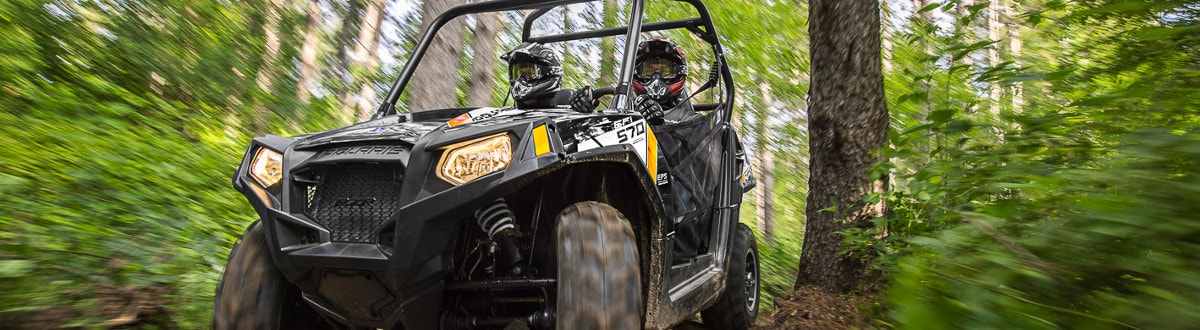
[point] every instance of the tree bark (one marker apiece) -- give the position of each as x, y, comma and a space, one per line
434, 86
886, 37
308, 53
848, 122
483, 63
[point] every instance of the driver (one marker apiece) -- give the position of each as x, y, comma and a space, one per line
659, 77
535, 75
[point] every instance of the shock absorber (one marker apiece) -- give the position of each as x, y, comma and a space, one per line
497, 221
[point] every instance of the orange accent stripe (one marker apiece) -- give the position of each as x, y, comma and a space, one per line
652, 154
461, 119
541, 141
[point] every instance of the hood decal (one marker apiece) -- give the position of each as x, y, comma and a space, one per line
482, 114
384, 129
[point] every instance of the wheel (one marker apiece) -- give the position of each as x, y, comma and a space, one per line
599, 281
253, 294
738, 305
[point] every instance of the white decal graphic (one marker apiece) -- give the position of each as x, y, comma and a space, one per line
633, 133
489, 113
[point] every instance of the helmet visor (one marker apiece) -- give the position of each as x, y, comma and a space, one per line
664, 67
531, 71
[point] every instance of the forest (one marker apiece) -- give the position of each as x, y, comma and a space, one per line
1039, 166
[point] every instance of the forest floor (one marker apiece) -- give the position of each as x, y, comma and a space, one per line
114, 307
813, 308
806, 308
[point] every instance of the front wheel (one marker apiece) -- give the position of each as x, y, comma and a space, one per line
253, 294
599, 281
738, 305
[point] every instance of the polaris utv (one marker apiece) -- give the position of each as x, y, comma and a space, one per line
489, 217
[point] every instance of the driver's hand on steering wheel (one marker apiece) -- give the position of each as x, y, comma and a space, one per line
649, 109
583, 101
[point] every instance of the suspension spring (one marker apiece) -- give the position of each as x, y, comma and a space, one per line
495, 218
497, 221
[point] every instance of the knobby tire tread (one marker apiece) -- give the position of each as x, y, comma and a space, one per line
253, 294
598, 270
730, 312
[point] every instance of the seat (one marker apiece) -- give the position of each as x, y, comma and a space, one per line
563, 97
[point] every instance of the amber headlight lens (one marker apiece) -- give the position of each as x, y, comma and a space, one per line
267, 167
470, 160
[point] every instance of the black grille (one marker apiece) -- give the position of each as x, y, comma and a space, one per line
354, 202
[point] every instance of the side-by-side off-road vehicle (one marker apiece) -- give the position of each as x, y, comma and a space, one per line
498, 217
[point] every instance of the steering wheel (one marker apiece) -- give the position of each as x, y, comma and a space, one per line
598, 92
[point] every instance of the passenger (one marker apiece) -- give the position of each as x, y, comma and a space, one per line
659, 79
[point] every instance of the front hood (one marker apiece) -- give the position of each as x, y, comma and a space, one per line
391, 128
409, 128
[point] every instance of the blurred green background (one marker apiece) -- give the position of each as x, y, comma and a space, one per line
1043, 156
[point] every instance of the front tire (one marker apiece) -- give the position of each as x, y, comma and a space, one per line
599, 280
253, 294
737, 307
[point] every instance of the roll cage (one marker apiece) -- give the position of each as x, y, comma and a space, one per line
700, 25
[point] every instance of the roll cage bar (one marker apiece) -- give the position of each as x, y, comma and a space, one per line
701, 26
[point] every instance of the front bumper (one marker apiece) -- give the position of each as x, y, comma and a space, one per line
389, 275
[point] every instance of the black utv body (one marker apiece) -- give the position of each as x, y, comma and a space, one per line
499, 217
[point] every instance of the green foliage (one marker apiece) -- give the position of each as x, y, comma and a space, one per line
125, 119
764, 45
123, 122
1075, 208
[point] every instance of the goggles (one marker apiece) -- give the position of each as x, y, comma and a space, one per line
664, 67
530, 71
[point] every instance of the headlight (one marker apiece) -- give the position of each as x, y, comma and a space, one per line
267, 167
469, 160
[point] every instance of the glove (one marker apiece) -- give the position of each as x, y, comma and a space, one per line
649, 109
583, 101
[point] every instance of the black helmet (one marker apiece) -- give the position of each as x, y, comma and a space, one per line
534, 71
660, 70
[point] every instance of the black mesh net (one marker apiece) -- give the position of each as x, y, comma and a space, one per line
693, 151
354, 202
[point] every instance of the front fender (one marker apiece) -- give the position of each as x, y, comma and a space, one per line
261, 198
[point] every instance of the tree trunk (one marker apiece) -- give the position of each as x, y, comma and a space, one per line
345, 43
1014, 52
608, 46
365, 58
570, 62
436, 80
886, 38
995, 90
366, 94
483, 63
264, 76
921, 19
963, 11
764, 167
848, 122
767, 184
308, 53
